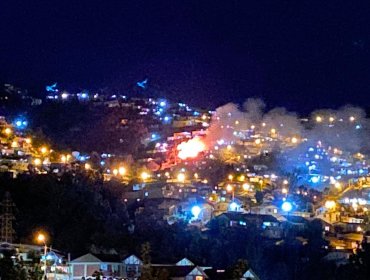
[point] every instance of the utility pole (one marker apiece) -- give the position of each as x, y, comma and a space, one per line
7, 232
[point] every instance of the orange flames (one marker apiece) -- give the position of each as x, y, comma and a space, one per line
191, 148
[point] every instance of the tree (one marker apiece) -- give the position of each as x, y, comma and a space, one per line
146, 271
237, 271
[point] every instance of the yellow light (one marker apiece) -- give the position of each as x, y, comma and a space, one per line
181, 177
253, 127
41, 238
246, 186
7, 131
352, 118
68, 157
318, 119
257, 141
115, 172
231, 177
273, 130
229, 188
14, 144
43, 150
242, 178
294, 140
87, 166
28, 140
37, 161
196, 176
338, 185
228, 147
63, 158
167, 174
144, 175
330, 204
358, 229
122, 171
285, 182
331, 119
263, 124
236, 122
284, 190
205, 181
204, 117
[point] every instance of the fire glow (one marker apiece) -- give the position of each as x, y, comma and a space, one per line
191, 148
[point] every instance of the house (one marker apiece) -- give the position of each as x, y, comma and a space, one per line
249, 274
87, 265
221, 274
131, 268
297, 222
339, 257
180, 272
271, 227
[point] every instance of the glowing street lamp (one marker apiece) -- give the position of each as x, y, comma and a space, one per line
246, 186
294, 140
63, 159
234, 206
41, 238
122, 171
7, 131
28, 140
144, 176
87, 166
287, 206
318, 119
230, 188
230, 177
44, 150
181, 177
37, 161
195, 210
115, 172
330, 204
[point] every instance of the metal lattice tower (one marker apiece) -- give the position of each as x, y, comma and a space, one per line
7, 232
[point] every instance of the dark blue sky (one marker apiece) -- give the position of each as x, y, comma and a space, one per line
299, 54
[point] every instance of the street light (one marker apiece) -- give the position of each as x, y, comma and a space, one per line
41, 238
144, 176
287, 206
37, 161
195, 210
43, 150
8, 131
246, 186
230, 188
330, 204
181, 177
122, 171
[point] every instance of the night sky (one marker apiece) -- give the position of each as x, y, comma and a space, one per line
298, 54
